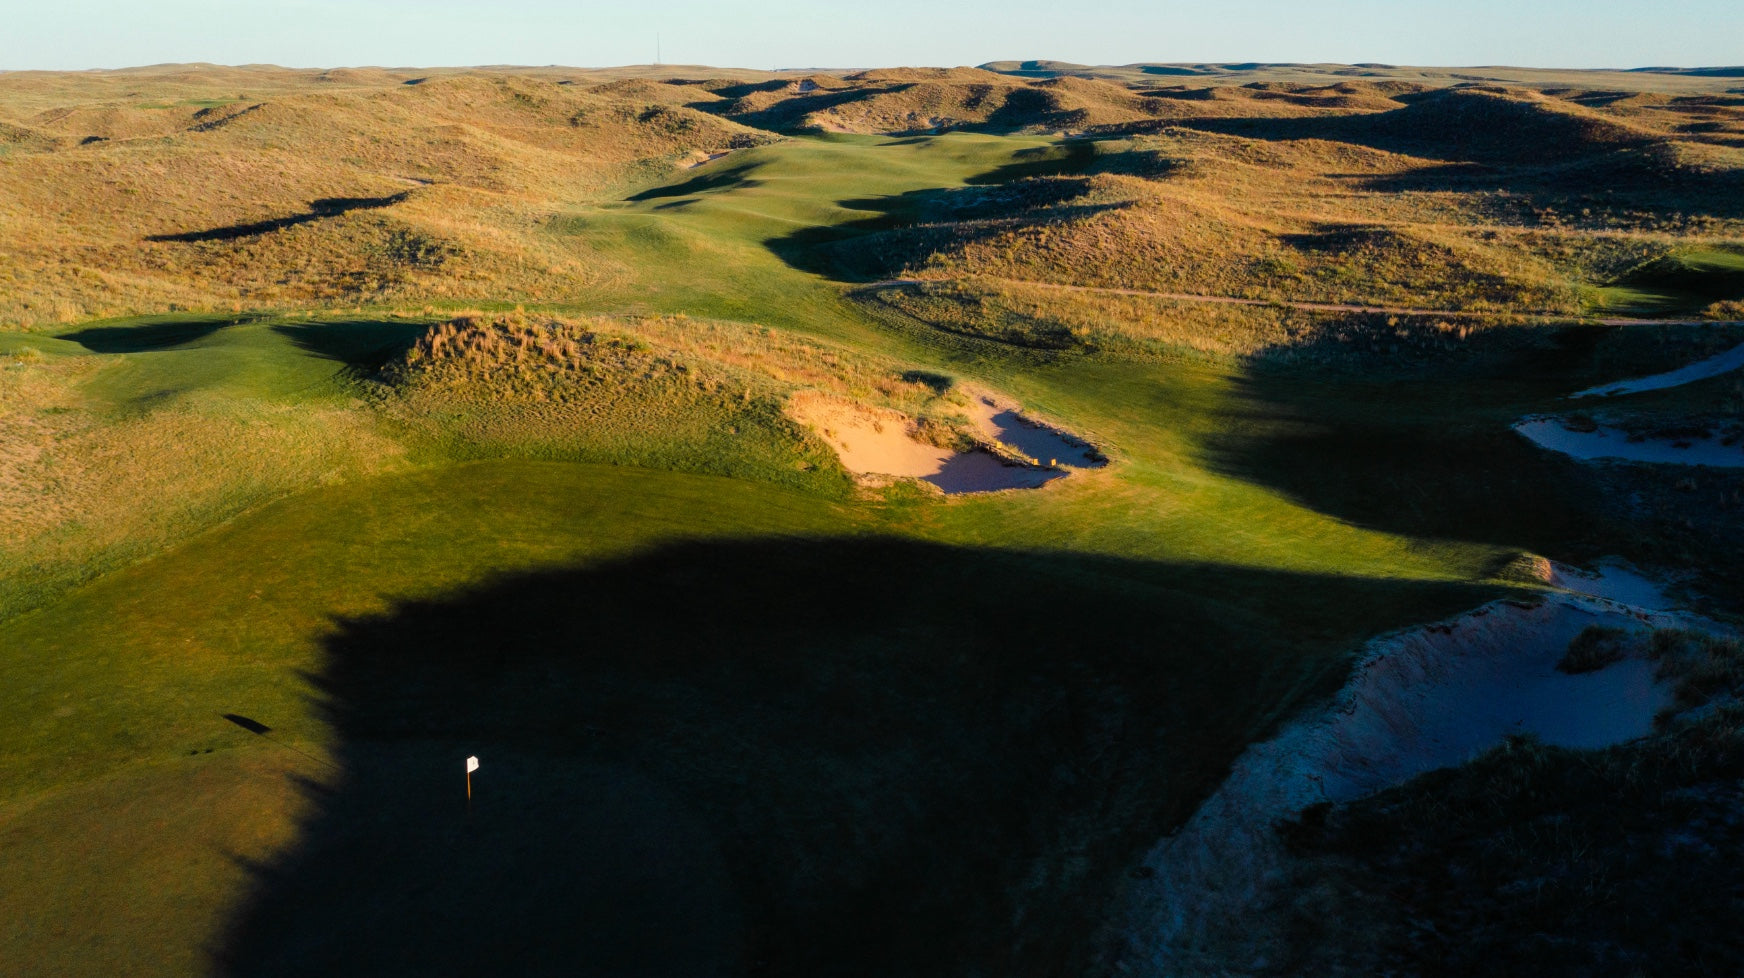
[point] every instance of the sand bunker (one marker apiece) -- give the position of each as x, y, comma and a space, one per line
874, 443
1000, 421
1421, 699
701, 158
1611, 580
1700, 370
1609, 443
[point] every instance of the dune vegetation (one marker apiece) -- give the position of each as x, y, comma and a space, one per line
354, 422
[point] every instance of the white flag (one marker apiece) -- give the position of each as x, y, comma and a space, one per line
471, 764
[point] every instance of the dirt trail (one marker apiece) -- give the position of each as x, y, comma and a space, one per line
1230, 300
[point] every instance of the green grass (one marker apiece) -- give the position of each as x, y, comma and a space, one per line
1075, 665
130, 676
707, 252
1682, 283
179, 424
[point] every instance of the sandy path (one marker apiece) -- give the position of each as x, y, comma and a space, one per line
1229, 300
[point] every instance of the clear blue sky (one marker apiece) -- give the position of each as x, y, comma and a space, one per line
867, 33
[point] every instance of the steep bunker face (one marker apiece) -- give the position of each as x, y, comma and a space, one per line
1001, 422
879, 444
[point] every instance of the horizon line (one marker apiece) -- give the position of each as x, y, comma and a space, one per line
1064, 66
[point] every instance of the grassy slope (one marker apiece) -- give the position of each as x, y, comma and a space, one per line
129, 674
1682, 283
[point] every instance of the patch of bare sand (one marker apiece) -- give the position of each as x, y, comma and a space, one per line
999, 420
701, 157
877, 443
1714, 366
1607, 443
1421, 699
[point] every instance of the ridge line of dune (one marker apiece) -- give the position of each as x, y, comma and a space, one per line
1230, 300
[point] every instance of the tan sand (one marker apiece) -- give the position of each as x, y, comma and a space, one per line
876, 443
702, 158
1000, 420
868, 440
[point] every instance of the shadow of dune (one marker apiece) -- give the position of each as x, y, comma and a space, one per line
787, 114
1425, 447
143, 337
727, 178
1420, 448
1476, 142
364, 345
318, 209
782, 757
904, 228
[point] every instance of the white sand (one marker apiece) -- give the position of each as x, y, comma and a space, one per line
1611, 580
1700, 370
1608, 443
1421, 699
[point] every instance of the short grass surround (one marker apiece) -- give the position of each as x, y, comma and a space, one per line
453, 417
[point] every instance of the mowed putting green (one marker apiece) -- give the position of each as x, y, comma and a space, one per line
804, 730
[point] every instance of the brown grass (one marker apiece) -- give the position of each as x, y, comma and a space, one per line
1038, 317
87, 173
671, 392
1596, 647
84, 489
1353, 189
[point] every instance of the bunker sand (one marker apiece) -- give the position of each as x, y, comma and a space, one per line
876, 443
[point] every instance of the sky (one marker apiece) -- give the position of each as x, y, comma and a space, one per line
70, 34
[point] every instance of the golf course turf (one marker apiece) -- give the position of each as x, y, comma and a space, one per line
272, 571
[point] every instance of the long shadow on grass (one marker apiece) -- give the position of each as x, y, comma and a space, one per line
725, 178
1546, 153
318, 210
1426, 448
782, 757
905, 228
146, 336
787, 115
364, 345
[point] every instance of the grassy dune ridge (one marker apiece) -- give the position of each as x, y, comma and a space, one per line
447, 415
